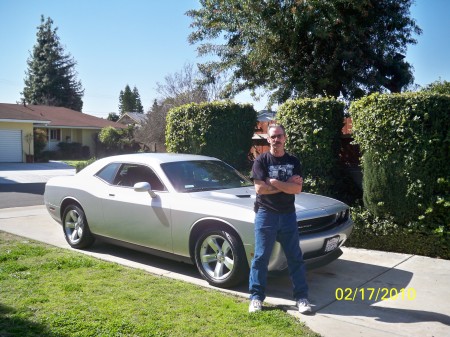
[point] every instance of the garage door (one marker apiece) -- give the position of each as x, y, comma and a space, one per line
10, 146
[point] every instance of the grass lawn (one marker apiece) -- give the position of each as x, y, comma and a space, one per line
49, 291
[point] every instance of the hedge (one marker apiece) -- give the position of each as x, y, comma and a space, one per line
313, 128
219, 129
404, 140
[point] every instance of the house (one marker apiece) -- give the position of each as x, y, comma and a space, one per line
259, 139
132, 118
18, 121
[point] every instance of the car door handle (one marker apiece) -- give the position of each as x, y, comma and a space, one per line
112, 195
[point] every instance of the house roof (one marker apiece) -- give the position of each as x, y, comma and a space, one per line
266, 116
13, 113
136, 117
53, 116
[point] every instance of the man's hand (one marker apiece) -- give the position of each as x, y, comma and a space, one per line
292, 186
265, 187
296, 179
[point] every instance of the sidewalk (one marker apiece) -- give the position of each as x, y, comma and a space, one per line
341, 293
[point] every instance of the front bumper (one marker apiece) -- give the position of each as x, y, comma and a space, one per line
313, 248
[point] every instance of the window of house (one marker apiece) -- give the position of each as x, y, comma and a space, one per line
55, 134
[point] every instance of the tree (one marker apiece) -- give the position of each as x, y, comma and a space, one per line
438, 87
138, 104
51, 78
295, 48
112, 116
184, 87
130, 101
152, 132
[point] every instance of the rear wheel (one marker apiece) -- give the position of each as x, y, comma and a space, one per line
76, 229
220, 258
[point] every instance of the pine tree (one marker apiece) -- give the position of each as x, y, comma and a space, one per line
130, 101
51, 78
137, 104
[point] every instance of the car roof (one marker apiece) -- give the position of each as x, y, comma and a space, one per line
157, 157
144, 158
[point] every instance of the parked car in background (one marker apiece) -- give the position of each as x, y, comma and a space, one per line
189, 208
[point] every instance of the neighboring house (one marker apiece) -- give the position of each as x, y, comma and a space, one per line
259, 140
132, 118
18, 121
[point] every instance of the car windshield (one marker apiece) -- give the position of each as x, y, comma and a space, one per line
203, 175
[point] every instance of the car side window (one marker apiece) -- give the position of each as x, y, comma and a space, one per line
108, 173
130, 174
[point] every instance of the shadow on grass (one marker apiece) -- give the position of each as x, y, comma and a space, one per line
11, 324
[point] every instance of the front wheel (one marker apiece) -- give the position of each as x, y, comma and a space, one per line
220, 258
76, 229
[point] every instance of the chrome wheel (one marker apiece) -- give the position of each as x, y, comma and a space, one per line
220, 258
217, 257
73, 223
76, 229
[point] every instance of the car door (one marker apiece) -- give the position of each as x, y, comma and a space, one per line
133, 216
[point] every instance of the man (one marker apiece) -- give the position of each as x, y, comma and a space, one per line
277, 178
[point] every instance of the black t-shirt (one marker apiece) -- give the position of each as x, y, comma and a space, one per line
282, 168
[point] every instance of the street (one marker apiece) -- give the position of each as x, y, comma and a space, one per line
20, 195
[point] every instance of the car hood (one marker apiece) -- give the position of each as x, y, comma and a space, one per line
246, 196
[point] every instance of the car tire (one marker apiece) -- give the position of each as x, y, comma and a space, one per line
221, 259
76, 229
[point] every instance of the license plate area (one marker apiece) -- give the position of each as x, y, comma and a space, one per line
331, 244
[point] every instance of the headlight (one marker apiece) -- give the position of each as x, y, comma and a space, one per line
341, 216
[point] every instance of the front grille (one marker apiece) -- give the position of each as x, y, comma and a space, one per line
321, 224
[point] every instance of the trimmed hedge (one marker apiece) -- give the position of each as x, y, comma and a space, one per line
313, 128
404, 140
372, 232
219, 129
70, 150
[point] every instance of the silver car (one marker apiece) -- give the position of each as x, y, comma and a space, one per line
189, 208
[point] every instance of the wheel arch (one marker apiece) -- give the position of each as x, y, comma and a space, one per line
210, 224
66, 202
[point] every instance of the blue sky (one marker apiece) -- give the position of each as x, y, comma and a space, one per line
139, 42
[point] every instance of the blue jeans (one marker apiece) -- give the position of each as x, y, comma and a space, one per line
271, 227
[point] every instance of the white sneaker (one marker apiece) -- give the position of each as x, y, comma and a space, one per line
255, 305
303, 306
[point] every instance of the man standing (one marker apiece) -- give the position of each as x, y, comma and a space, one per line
277, 178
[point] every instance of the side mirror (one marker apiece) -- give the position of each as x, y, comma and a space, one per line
144, 187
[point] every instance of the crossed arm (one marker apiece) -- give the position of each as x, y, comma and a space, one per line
272, 186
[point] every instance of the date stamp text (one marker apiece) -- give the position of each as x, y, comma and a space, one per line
375, 294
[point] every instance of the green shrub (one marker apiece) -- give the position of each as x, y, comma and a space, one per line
404, 140
116, 141
82, 164
70, 150
372, 232
109, 137
219, 129
40, 141
313, 128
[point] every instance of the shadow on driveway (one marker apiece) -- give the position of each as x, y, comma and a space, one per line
323, 282
21, 195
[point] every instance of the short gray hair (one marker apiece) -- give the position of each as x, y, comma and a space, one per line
272, 126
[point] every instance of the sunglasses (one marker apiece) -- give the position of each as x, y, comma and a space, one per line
280, 135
